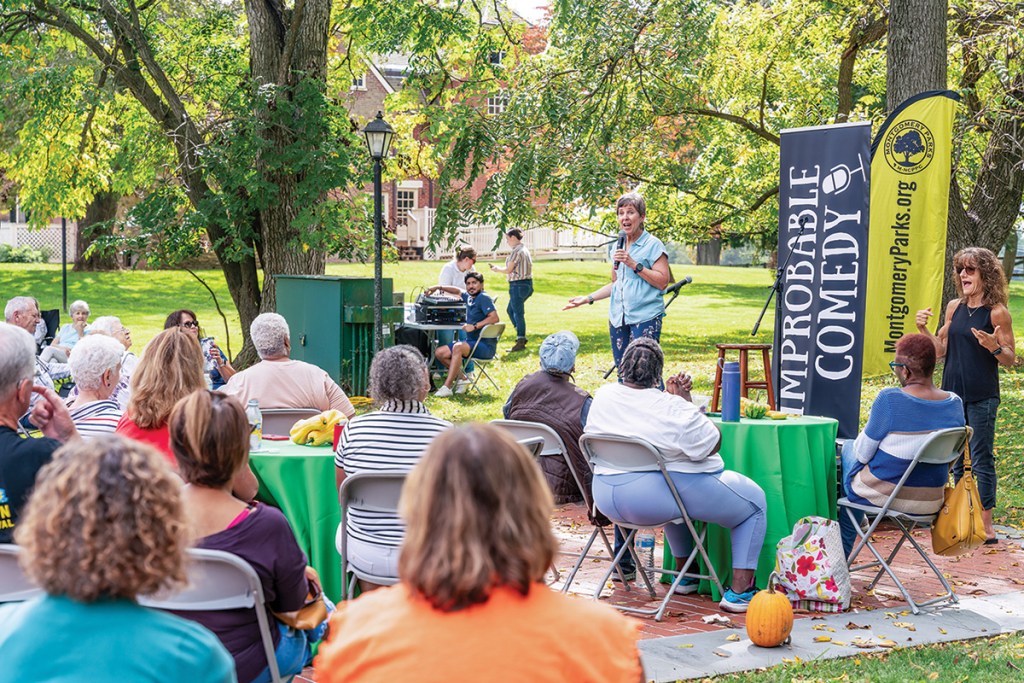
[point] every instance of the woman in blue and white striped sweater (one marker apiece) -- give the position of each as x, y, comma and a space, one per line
901, 420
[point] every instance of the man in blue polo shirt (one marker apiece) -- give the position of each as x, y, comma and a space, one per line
480, 312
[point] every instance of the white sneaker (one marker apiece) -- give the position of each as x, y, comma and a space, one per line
462, 386
443, 392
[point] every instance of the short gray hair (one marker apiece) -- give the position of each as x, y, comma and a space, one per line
92, 357
17, 357
642, 363
19, 304
397, 374
633, 199
269, 332
106, 324
78, 306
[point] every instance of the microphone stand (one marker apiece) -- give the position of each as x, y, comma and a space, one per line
777, 288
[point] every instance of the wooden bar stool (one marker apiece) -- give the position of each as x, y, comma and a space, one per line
745, 384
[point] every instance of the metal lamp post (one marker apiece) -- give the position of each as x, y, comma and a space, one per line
378, 139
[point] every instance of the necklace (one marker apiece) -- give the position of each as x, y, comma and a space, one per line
972, 311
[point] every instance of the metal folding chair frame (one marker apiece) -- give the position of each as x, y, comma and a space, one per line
637, 455
379, 490
14, 585
492, 331
943, 447
280, 420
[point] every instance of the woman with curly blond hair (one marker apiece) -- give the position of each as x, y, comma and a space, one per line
472, 605
105, 525
171, 368
976, 338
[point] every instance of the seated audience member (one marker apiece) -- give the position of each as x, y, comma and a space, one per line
111, 326
171, 368
69, 334
454, 272
210, 439
96, 368
23, 312
901, 419
391, 439
550, 397
279, 382
105, 525
480, 312
221, 370
21, 458
689, 442
472, 604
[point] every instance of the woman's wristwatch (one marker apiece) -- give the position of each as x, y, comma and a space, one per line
639, 267
590, 299
996, 351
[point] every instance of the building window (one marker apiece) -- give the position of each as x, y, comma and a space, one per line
496, 104
497, 57
405, 201
359, 82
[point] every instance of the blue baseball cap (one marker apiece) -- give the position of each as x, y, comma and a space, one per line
558, 352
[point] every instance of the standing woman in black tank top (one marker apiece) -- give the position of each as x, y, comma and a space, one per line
976, 339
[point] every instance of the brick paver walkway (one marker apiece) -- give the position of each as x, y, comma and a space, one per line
989, 570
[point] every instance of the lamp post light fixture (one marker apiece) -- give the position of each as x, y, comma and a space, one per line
378, 140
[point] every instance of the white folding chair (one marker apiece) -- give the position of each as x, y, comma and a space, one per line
14, 585
942, 448
219, 580
376, 492
533, 445
492, 331
636, 455
280, 421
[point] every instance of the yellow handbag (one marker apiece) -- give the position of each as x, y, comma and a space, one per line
313, 612
958, 528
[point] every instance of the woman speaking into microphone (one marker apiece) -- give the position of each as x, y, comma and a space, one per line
639, 276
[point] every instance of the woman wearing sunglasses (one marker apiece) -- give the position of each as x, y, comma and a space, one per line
220, 369
975, 339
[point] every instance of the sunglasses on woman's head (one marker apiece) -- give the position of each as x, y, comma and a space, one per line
190, 323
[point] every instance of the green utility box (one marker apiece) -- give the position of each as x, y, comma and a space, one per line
331, 322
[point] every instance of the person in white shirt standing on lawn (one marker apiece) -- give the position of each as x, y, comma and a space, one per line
519, 271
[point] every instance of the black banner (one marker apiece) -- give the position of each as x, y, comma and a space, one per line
823, 229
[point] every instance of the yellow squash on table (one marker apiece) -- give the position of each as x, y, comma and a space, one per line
317, 430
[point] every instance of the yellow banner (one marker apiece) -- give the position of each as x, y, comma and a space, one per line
910, 168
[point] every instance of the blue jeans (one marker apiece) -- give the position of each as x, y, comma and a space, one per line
846, 527
725, 498
518, 292
294, 651
622, 335
981, 416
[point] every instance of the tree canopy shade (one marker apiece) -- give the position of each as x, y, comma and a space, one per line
239, 98
687, 99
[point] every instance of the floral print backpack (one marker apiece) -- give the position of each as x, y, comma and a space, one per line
812, 567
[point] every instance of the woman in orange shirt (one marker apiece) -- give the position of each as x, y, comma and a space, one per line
472, 604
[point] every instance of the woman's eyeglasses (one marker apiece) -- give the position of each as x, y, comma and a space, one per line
190, 324
971, 270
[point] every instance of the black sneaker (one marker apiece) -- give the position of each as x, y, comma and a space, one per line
629, 575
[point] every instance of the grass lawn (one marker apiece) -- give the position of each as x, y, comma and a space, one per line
720, 305
991, 659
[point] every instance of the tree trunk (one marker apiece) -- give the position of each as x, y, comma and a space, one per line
916, 55
1010, 255
709, 253
101, 209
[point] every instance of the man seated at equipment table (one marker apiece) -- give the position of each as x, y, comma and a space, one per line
480, 312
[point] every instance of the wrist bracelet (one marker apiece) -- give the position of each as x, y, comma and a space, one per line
996, 351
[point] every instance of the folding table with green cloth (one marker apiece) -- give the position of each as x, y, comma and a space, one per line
299, 480
794, 461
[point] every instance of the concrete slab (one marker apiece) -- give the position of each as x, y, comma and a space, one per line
708, 654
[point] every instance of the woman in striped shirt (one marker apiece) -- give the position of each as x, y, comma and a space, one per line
391, 439
96, 368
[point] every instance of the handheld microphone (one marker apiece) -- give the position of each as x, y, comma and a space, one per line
619, 245
674, 289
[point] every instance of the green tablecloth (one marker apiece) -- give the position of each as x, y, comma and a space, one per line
300, 481
794, 461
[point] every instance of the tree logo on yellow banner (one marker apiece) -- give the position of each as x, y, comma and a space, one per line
909, 147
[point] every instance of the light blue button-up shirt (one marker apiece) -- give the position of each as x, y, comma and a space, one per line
633, 299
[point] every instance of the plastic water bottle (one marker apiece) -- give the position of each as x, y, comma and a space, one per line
731, 392
209, 380
252, 411
645, 551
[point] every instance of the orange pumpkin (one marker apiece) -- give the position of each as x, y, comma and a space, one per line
769, 617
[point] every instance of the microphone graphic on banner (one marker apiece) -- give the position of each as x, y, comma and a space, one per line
619, 245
